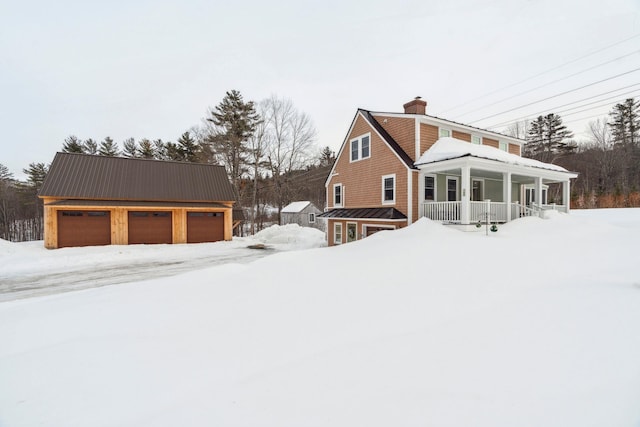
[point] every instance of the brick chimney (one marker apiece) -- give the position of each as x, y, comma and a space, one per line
416, 106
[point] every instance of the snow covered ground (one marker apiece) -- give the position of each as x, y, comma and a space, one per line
535, 325
28, 269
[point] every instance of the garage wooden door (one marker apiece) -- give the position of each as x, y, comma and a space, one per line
84, 228
205, 227
149, 227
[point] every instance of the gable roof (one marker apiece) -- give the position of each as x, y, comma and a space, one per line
448, 148
83, 176
295, 207
388, 139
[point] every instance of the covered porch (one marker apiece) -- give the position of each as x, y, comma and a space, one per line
468, 189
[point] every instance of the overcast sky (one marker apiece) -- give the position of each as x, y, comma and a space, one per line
151, 69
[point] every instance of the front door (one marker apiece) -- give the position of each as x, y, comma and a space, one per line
452, 188
477, 190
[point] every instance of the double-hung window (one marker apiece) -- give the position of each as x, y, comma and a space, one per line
361, 148
443, 133
337, 233
389, 189
337, 195
312, 218
475, 139
429, 188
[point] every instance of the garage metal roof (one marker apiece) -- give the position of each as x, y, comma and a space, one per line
82, 176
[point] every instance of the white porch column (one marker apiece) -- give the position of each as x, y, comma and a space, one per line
566, 195
506, 192
538, 190
464, 208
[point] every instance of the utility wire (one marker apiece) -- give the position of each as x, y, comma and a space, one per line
555, 109
555, 96
540, 74
549, 83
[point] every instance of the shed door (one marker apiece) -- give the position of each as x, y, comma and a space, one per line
205, 227
150, 227
84, 228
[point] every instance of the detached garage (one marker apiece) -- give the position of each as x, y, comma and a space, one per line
97, 200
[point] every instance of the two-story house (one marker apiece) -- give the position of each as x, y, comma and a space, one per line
394, 168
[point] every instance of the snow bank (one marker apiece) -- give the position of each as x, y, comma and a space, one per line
292, 236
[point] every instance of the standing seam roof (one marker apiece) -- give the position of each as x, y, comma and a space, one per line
83, 176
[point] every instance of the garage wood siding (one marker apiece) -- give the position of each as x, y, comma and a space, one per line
428, 136
362, 180
205, 227
83, 228
402, 130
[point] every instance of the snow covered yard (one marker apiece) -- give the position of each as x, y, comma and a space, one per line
535, 325
28, 269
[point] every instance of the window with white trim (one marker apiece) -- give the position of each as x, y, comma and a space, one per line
337, 195
312, 218
503, 146
389, 189
475, 139
429, 188
337, 233
361, 148
443, 133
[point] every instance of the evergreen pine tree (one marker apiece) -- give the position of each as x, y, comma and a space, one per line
146, 149
90, 146
108, 148
173, 152
130, 148
235, 122
327, 157
548, 139
625, 123
160, 150
72, 145
188, 147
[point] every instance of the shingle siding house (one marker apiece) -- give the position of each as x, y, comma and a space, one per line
303, 213
394, 168
97, 200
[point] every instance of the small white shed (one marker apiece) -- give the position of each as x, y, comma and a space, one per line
303, 213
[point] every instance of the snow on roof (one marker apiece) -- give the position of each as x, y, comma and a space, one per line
295, 207
451, 148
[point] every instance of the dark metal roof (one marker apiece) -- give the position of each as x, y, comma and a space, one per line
364, 213
125, 203
82, 176
392, 142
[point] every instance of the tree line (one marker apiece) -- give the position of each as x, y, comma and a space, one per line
608, 162
268, 148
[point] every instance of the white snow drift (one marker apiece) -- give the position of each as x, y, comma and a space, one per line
535, 325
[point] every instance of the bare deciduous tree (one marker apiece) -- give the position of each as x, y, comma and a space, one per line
290, 143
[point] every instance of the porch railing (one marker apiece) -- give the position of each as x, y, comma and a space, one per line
554, 207
488, 211
521, 211
442, 211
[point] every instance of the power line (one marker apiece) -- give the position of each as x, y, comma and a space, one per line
540, 74
555, 96
555, 109
549, 83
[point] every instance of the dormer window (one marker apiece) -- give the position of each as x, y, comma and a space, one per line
503, 146
475, 139
444, 133
361, 148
